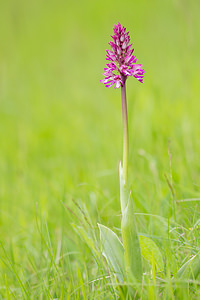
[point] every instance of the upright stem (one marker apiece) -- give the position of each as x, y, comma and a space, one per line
125, 131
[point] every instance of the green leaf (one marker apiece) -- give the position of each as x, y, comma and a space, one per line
113, 251
131, 243
151, 252
124, 193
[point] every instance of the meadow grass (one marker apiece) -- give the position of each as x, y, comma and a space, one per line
61, 142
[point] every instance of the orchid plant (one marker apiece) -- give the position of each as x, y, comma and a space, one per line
125, 260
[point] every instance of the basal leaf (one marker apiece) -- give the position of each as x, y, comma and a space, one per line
124, 193
131, 243
113, 251
151, 252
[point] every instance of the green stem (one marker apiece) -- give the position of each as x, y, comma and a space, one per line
125, 130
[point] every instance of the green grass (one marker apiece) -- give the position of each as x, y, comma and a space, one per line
61, 142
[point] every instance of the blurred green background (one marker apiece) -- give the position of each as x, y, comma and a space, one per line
61, 129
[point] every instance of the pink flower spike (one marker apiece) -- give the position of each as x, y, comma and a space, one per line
122, 62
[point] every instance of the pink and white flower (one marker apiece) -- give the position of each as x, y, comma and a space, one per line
122, 62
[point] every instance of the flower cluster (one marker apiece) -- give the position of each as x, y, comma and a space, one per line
122, 62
